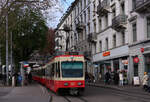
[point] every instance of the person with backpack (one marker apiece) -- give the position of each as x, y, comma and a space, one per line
19, 80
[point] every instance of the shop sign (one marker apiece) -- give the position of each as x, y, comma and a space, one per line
136, 60
107, 53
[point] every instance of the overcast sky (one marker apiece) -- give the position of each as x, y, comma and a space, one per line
54, 14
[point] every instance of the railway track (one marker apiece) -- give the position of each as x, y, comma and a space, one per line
74, 99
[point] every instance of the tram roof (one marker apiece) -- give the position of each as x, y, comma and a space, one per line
59, 53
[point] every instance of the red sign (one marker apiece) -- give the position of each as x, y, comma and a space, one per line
107, 53
142, 50
136, 60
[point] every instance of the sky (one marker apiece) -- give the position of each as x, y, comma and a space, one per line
54, 14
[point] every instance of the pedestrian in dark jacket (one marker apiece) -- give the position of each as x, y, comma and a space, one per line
30, 77
116, 78
107, 78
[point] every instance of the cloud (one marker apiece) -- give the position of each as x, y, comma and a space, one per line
53, 14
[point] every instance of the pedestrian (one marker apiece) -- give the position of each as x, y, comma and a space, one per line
116, 78
16, 79
30, 77
19, 79
107, 78
145, 81
99, 76
121, 78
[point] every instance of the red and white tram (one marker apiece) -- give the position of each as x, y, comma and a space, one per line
63, 73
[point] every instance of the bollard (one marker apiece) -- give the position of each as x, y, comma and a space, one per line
13, 81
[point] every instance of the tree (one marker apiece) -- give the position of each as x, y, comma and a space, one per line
29, 32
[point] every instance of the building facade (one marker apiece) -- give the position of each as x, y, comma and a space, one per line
139, 40
113, 34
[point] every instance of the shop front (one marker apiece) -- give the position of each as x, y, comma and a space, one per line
147, 63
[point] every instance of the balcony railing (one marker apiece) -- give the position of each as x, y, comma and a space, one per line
119, 22
92, 37
102, 8
142, 6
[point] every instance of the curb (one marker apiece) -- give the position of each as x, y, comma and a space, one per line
113, 88
103, 86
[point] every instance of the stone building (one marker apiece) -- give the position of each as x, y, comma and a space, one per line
139, 37
113, 34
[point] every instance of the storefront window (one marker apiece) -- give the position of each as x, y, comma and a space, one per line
116, 65
147, 62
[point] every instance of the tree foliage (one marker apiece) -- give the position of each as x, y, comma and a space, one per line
28, 28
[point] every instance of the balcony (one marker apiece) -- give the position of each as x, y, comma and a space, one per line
103, 7
66, 28
79, 27
87, 54
119, 23
92, 37
142, 6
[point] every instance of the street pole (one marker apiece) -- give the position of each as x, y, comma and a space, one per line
11, 56
7, 79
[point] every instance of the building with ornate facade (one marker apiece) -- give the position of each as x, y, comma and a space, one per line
113, 34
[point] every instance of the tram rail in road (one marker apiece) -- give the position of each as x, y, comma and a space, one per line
74, 99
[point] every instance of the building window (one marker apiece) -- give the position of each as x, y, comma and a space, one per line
94, 8
106, 21
78, 8
89, 13
106, 44
84, 3
133, 4
100, 24
94, 48
134, 32
88, 1
84, 33
122, 8
89, 28
100, 46
84, 16
113, 13
114, 41
81, 5
81, 18
123, 38
94, 26
148, 27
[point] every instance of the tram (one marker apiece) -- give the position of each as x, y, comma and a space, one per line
64, 72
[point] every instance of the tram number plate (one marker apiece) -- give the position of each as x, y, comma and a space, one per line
72, 83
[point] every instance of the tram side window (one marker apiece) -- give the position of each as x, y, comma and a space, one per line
52, 70
58, 70
43, 72
47, 70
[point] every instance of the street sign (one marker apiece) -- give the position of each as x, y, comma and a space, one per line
136, 60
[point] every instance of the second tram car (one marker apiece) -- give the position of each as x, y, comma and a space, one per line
64, 72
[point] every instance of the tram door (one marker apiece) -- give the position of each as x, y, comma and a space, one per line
52, 76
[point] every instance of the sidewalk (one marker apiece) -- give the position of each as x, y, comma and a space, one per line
125, 88
31, 93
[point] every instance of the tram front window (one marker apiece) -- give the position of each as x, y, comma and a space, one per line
72, 69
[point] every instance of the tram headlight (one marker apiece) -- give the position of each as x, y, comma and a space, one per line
66, 84
79, 83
